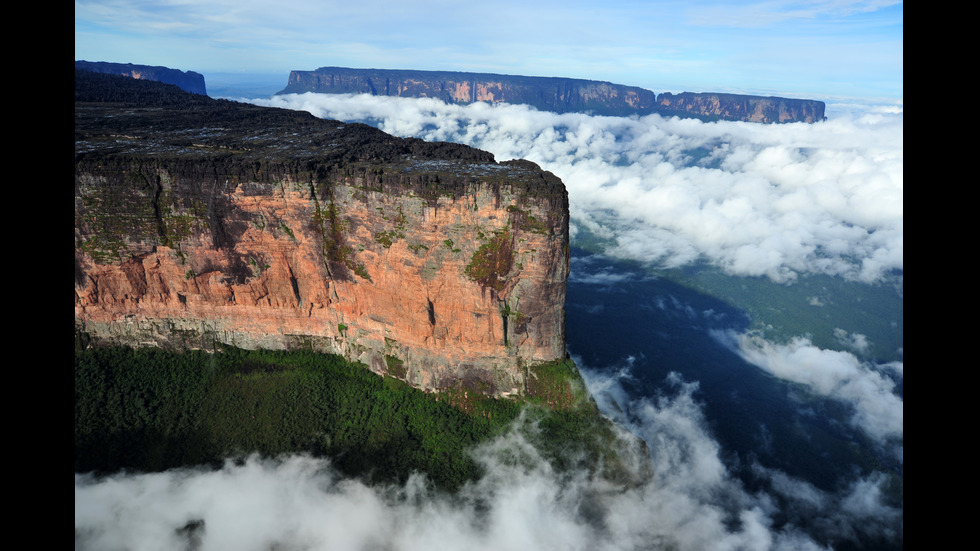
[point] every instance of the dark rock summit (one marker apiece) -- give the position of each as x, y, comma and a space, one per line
559, 95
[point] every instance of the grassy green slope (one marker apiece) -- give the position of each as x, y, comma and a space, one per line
148, 410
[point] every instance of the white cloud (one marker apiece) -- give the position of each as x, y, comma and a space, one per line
858, 510
762, 200
855, 341
838, 375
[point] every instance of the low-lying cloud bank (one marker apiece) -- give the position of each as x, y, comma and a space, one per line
298, 502
756, 200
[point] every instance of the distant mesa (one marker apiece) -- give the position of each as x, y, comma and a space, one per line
560, 95
188, 81
555, 94
740, 107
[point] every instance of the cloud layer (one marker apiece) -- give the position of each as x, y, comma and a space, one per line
298, 502
756, 200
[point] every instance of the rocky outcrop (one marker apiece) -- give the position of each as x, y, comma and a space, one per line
187, 80
559, 95
212, 222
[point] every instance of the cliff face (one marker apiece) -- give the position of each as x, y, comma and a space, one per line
212, 222
189, 81
738, 107
560, 95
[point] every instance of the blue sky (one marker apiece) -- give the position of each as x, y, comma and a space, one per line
820, 49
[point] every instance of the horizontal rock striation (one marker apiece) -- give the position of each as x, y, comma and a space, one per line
203, 222
737, 107
189, 81
559, 95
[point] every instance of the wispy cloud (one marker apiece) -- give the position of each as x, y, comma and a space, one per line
780, 12
834, 374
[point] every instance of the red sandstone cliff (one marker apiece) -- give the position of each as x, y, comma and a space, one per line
212, 222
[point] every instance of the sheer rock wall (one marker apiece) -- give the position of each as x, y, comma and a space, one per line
210, 222
559, 95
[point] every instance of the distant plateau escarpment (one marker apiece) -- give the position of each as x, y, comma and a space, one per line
189, 81
203, 222
560, 95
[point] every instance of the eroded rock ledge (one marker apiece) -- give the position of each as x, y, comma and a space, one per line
200, 222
